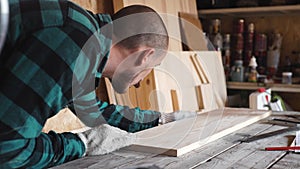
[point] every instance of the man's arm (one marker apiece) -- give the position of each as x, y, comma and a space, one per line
93, 112
26, 94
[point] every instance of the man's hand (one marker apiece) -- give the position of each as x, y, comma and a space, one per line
175, 116
105, 139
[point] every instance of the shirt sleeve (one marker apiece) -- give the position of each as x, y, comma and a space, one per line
39, 77
31, 92
94, 112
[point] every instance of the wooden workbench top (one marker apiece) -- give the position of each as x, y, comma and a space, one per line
226, 152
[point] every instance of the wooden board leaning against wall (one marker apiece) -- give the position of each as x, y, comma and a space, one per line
173, 7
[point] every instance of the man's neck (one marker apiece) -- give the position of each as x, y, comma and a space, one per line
117, 55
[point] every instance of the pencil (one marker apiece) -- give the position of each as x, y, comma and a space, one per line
282, 148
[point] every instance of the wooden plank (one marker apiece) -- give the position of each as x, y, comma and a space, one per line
110, 92
200, 98
63, 121
198, 70
251, 155
189, 134
124, 99
146, 94
168, 76
203, 154
132, 93
214, 149
205, 97
192, 34
132, 159
290, 161
176, 72
212, 67
108, 161
118, 4
175, 100
203, 73
128, 159
204, 91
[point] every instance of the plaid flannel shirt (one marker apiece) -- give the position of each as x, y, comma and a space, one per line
53, 51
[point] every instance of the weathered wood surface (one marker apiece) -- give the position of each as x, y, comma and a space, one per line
178, 138
212, 155
289, 161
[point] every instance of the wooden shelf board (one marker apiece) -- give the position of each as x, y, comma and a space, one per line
290, 88
250, 11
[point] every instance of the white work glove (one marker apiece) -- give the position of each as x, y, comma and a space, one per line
175, 116
105, 139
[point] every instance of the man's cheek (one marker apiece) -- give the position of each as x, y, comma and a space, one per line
121, 81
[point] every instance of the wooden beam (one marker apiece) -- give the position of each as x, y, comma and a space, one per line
200, 97
203, 73
175, 100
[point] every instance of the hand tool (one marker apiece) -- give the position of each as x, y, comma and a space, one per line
284, 122
293, 147
270, 134
282, 148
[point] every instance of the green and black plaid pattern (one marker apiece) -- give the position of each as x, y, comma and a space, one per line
37, 66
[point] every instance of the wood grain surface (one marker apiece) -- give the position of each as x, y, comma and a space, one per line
180, 137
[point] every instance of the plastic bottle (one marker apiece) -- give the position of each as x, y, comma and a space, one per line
252, 77
216, 37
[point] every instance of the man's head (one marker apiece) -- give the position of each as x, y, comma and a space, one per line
140, 42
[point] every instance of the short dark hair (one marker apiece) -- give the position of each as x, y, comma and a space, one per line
139, 25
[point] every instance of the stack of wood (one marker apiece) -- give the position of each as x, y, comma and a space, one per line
202, 91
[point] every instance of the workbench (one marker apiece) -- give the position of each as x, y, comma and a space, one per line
226, 152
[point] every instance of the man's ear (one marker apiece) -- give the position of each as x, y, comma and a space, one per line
144, 56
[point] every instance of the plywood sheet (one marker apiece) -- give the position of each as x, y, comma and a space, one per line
178, 138
211, 63
192, 34
177, 72
146, 95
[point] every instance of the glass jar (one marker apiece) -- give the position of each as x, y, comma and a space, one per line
287, 77
237, 71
